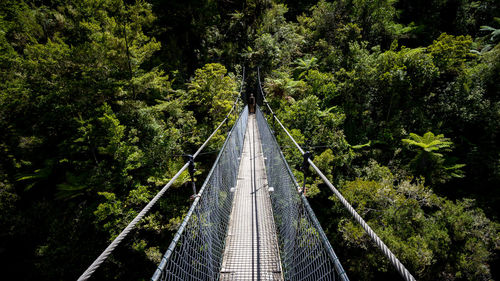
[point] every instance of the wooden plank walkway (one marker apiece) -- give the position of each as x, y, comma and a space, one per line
251, 251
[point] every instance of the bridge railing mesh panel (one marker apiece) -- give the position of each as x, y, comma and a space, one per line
197, 248
305, 252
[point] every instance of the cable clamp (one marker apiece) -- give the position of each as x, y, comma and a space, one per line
192, 170
305, 163
191, 166
194, 196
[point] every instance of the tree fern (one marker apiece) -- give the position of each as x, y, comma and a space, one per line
430, 161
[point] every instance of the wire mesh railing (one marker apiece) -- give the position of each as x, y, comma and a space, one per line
196, 251
305, 252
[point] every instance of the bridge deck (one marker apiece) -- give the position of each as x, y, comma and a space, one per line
251, 251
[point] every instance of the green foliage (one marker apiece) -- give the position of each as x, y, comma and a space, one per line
278, 42
383, 92
114, 215
211, 94
376, 19
314, 123
450, 53
494, 32
489, 41
83, 113
429, 161
38, 175
323, 86
431, 18
433, 236
282, 85
303, 65
342, 22
429, 142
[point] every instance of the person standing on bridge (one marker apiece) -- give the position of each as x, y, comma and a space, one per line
251, 104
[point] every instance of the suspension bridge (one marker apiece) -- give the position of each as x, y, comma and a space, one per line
250, 219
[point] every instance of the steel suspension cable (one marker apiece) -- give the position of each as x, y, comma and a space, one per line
105, 254
382, 246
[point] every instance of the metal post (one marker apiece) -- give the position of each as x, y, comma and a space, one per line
274, 122
191, 169
227, 124
305, 169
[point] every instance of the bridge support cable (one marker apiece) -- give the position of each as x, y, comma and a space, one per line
305, 252
380, 244
105, 254
196, 250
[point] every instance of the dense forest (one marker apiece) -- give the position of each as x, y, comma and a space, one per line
398, 100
